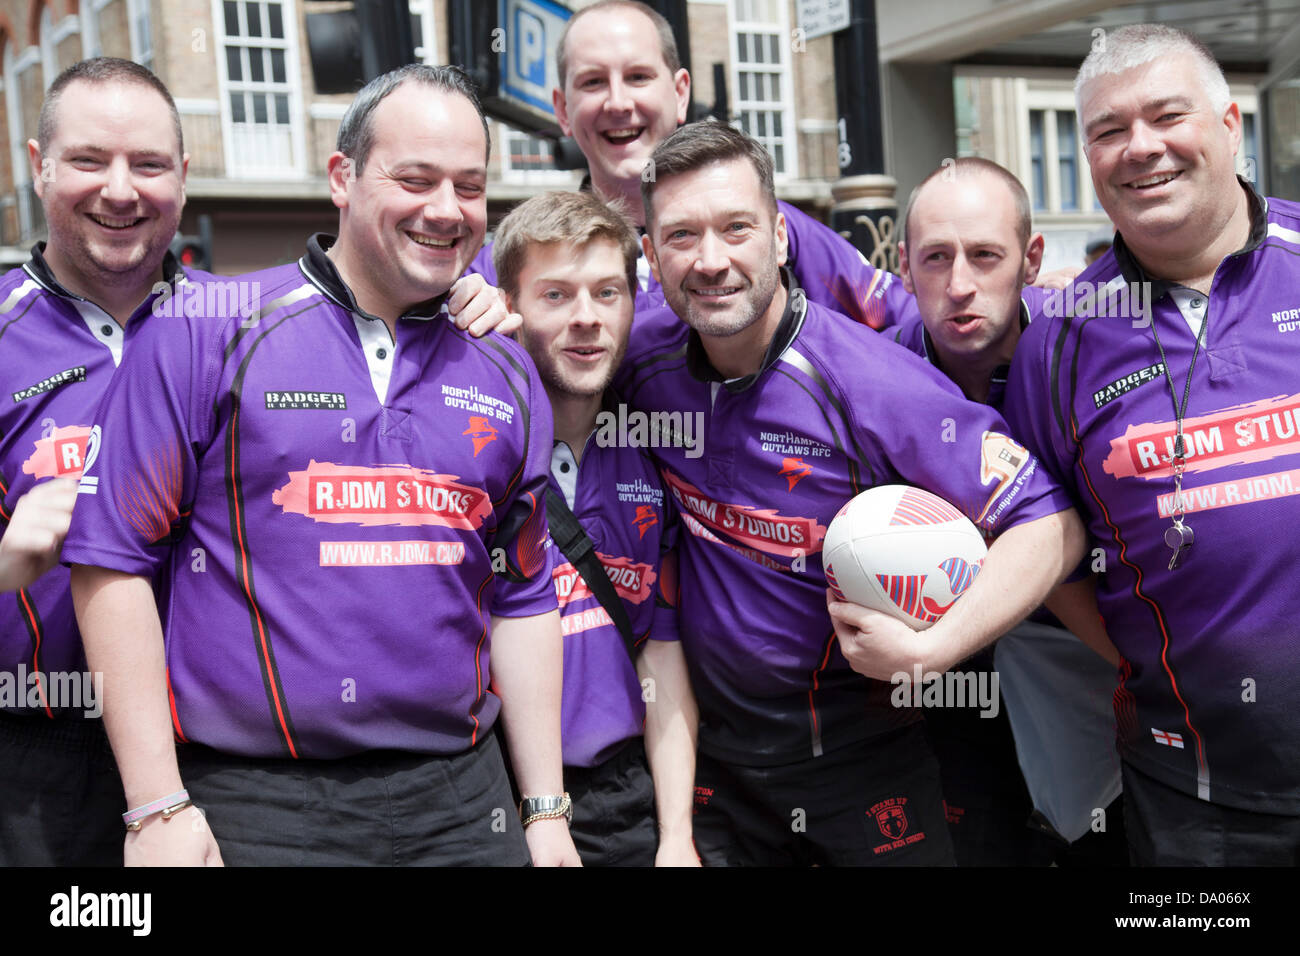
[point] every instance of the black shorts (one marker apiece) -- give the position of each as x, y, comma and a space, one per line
987, 803
61, 799
614, 822
382, 808
873, 803
1167, 827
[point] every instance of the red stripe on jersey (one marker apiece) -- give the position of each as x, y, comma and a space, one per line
247, 585
34, 622
171, 701
478, 657
1137, 592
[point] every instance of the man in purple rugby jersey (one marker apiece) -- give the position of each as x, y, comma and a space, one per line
567, 264
968, 250
1159, 390
800, 412
341, 496
109, 166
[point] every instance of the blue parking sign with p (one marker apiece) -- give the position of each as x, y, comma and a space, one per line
528, 60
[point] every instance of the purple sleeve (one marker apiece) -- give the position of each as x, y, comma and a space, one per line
835, 275
525, 588
959, 450
140, 463
1030, 407
1030, 410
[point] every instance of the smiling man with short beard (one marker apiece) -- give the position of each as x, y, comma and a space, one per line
803, 411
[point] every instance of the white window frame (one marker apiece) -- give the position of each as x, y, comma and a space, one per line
428, 39
1052, 102
17, 142
137, 10
297, 167
49, 56
785, 106
91, 45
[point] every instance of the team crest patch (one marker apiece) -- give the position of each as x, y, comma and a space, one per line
794, 470
645, 519
480, 431
1001, 459
895, 823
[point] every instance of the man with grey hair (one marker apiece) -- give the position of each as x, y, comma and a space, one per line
1160, 389
341, 500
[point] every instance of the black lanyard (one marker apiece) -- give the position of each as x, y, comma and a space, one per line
1179, 537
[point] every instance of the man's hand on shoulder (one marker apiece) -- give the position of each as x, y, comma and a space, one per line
1057, 278
481, 308
550, 844
32, 541
184, 840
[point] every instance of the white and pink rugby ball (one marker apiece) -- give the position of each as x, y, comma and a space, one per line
902, 551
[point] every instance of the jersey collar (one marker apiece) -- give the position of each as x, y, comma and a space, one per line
796, 307
40, 270
320, 270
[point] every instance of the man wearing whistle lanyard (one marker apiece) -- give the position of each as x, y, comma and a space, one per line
1161, 389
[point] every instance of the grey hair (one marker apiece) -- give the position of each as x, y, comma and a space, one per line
357, 131
1139, 43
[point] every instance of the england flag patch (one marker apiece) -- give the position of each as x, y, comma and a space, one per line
1168, 739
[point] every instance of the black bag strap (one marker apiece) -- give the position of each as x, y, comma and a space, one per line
575, 545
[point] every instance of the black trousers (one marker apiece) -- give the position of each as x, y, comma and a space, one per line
1167, 827
874, 803
614, 821
382, 808
61, 799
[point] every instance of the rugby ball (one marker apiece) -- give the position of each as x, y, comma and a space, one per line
902, 551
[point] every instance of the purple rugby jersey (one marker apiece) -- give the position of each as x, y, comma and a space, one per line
831, 271
326, 557
619, 499
833, 411
1207, 697
58, 352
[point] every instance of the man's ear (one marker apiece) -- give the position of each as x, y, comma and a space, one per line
904, 272
1034, 257
648, 248
782, 239
34, 157
682, 88
561, 111
341, 171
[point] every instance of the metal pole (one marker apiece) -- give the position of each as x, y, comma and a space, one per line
865, 210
